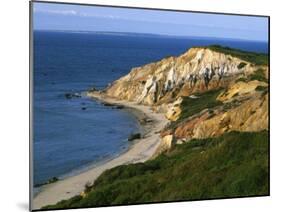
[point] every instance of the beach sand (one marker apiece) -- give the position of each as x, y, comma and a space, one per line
141, 150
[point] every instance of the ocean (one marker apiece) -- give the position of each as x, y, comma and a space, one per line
72, 135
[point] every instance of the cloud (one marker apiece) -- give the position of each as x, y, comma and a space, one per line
189, 24
58, 12
99, 16
75, 13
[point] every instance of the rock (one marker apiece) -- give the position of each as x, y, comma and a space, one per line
68, 95
174, 110
240, 89
72, 95
78, 95
193, 97
114, 106
134, 136
108, 104
52, 180
251, 114
145, 120
83, 194
197, 70
180, 141
242, 105
119, 107
148, 120
166, 143
93, 89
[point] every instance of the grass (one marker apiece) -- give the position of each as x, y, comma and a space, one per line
262, 88
252, 57
241, 65
190, 106
232, 165
257, 75
242, 79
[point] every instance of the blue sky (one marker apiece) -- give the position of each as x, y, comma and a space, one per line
48, 16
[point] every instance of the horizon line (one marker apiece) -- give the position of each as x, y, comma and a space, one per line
146, 33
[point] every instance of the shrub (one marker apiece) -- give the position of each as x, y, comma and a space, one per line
258, 75
252, 57
232, 165
241, 65
261, 88
205, 100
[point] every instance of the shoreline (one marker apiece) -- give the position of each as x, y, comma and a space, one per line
139, 151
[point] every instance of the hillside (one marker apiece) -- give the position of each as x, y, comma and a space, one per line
197, 70
216, 142
204, 92
233, 165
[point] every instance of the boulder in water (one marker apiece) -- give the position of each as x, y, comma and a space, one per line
72, 95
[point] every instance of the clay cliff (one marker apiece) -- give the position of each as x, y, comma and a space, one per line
198, 69
204, 92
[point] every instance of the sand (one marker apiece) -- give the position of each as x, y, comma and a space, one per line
141, 150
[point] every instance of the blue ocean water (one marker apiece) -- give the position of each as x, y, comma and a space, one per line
67, 138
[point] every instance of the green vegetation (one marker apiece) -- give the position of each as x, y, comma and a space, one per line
232, 165
191, 106
241, 65
255, 58
242, 79
262, 88
257, 75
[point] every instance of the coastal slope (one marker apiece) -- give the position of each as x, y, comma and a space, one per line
197, 70
205, 92
214, 140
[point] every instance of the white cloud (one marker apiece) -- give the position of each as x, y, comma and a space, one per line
75, 13
59, 12
99, 16
114, 17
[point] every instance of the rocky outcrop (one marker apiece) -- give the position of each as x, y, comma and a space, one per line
244, 108
252, 115
164, 81
240, 89
174, 110
166, 143
134, 136
243, 97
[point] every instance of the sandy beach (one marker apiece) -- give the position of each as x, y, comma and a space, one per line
141, 150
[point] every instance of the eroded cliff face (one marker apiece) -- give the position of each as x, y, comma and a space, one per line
240, 105
161, 82
248, 115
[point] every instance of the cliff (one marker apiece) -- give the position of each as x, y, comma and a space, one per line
199, 69
216, 143
205, 92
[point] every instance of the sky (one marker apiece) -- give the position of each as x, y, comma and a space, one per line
50, 16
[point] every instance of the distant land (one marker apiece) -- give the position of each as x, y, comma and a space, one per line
148, 35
